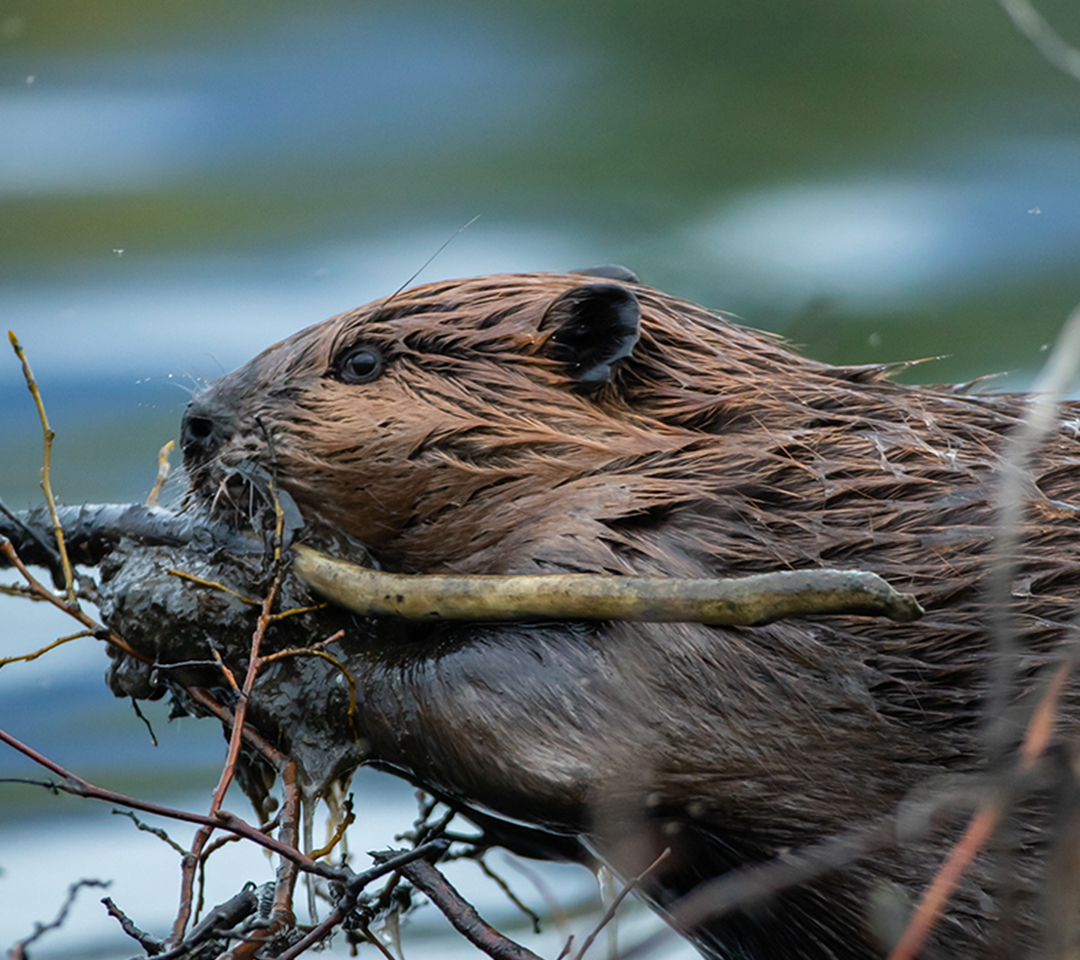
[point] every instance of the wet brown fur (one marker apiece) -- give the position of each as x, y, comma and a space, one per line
714, 451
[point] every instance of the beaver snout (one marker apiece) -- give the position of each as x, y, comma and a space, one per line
203, 432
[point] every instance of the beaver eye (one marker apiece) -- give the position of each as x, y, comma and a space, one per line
361, 364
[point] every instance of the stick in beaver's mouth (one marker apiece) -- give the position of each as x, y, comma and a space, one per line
741, 601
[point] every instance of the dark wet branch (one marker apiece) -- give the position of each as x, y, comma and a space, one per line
156, 831
151, 944
18, 951
44, 552
351, 890
462, 914
92, 531
218, 922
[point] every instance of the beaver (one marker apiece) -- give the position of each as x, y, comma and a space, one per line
549, 423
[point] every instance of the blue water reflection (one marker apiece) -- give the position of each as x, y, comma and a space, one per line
350, 85
983, 218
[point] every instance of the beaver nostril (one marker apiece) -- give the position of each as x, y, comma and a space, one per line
201, 436
199, 428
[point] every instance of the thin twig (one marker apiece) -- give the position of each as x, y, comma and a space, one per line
376, 943
289, 833
146, 722
228, 771
225, 669
932, 903
1041, 725
354, 886
982, 825
281, 916
214, 584
18, 951
162, 473
609, 915
279, 513
1013, 497
554, 908
462, 915
254, 664
271, 754
8, 549
151, 944
315, 935
1016, 490
20, 590
156, 831
534, 917
46, 486
223, 821
296, 611
211, 849
27, 657
348, 821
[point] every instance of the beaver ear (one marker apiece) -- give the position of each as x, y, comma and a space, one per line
591, 327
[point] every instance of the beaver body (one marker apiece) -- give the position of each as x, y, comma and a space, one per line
557, 423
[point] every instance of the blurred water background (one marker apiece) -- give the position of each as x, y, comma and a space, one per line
182, 183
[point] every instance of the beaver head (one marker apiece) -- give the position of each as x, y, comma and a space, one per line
478, 400
544, 423
530, 423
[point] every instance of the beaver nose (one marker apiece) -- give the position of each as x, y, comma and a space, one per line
202, 434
